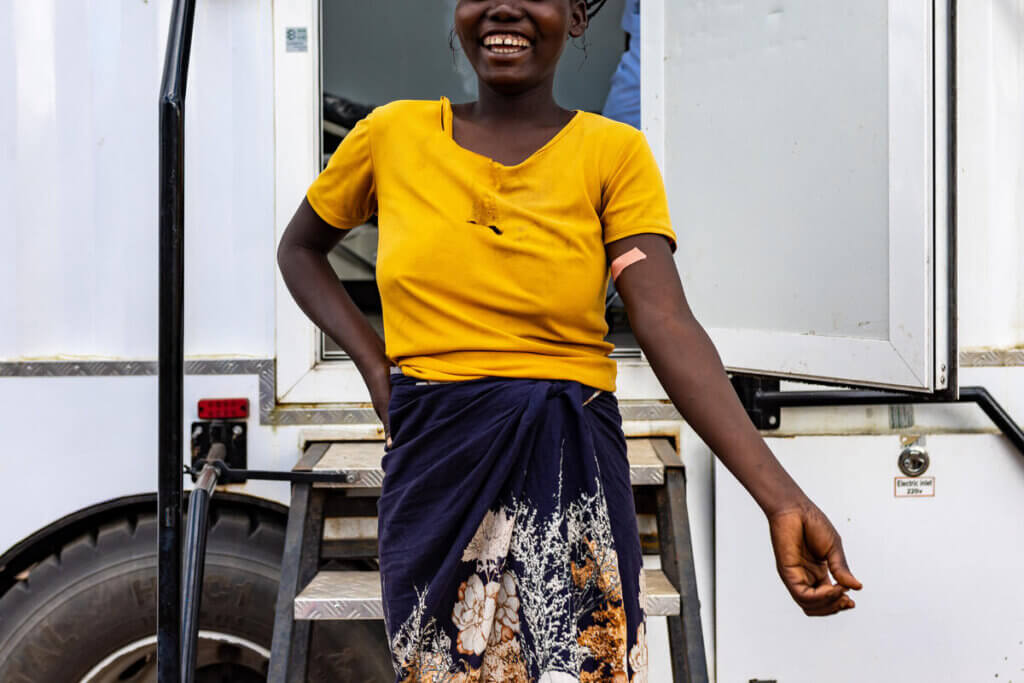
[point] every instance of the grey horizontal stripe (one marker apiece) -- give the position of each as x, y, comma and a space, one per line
263, 367
78, 368
111, 368
992, 358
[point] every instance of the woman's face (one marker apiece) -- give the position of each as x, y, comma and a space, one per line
514, 45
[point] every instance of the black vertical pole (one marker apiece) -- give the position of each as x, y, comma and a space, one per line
171, 343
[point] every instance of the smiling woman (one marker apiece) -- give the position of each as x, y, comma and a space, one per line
508, 542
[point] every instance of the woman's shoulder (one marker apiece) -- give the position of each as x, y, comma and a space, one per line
407, 112
610, 141
609, 129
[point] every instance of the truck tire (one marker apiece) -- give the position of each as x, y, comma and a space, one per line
88, 612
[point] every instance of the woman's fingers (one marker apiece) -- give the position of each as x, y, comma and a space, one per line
841, 604
806, 589
825, 544
816, 596
840, 570
816, 600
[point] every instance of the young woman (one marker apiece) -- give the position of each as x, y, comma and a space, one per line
507, 534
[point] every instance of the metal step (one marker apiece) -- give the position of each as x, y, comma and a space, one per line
343, 595
360, 460
363, 530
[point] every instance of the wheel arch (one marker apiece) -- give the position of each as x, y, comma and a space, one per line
49, 539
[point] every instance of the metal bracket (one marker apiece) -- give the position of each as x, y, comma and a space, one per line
230, 475
749, 387
231, 433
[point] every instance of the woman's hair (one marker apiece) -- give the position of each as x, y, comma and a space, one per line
594, 6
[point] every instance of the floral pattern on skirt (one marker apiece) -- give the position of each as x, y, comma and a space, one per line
508, 539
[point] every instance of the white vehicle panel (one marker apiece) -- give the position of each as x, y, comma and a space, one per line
939, 602
78, 179
73, 442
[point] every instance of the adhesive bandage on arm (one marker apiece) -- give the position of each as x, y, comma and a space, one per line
625, 260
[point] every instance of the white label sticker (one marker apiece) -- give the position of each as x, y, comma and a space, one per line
296, 39
914, 487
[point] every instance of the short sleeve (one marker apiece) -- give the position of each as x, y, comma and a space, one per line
633, 195
345, 194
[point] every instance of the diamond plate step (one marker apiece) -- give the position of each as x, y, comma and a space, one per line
360, 460
344, 595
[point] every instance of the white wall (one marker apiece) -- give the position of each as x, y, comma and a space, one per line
78, 178
991, 173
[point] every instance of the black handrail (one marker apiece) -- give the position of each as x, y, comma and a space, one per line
770, 400
171, 363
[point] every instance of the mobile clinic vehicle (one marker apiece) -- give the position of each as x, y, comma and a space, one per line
846, 181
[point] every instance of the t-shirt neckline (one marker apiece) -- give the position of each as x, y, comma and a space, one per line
447, 129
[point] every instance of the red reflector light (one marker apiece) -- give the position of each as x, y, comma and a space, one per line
223, 408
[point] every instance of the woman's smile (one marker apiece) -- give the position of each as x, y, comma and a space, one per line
506, 43
514, 45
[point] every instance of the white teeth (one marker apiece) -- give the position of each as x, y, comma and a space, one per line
505, 42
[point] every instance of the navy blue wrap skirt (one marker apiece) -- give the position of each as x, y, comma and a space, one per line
508, 539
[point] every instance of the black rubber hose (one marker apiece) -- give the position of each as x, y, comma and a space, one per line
195, 557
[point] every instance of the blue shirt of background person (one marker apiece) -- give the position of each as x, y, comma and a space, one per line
623, 103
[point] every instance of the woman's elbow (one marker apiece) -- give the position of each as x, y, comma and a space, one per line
288, 256
283, 255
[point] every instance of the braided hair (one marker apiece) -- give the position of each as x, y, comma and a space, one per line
593, 7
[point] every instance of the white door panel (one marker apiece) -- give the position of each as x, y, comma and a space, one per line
940, 602
796, 141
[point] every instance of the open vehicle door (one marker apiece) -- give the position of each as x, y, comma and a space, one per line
808, 155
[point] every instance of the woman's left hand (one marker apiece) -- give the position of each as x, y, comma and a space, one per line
807, 547
378, 382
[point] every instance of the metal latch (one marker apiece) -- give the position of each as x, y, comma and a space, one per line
913, 460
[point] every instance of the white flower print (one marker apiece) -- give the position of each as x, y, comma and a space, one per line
643, 593
491, 540
421, 646
506, 615
473, 614
552, 604
557, 677
638, 655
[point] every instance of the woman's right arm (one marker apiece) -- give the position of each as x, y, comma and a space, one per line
302, 258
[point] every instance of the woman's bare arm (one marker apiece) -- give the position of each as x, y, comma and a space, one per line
302, 258
686, 363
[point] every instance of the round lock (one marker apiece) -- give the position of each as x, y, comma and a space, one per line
913, 461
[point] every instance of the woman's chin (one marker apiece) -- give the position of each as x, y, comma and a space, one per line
508, 81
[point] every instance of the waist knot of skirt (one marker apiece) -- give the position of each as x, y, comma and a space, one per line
508, 540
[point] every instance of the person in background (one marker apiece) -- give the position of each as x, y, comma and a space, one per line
623, 102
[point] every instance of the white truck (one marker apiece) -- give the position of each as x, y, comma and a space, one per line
847, 183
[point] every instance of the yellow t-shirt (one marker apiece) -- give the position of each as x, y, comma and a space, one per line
486, 269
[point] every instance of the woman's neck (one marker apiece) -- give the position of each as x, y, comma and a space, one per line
536, 106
